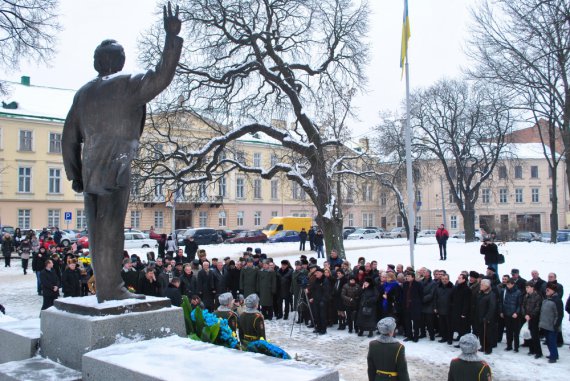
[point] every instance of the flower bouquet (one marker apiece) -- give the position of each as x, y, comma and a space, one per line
268, 349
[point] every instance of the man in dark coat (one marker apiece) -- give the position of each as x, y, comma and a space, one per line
429, 287
100, 139
319, 297
468, 366
188, 281
510, 309
442, 308
303, 239
248, 278
129, 274
50, 285
462, 306
311, 235
551, 315
475, 286
520, 282
532, 301
491, 252
299, 280
486, 314
412, 306
71, 280
319, 241
220, 279
552, 278
386, 355
285, 279
148, 285
190, 248
266, 288
205, 285
173, 292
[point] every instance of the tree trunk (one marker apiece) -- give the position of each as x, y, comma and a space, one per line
468, 215
332, 230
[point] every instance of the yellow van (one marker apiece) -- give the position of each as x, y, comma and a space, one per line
277, 224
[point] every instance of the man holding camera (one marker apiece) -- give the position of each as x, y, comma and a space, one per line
491, 252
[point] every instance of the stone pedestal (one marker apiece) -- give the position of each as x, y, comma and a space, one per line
66, 336
19, 340
37, 369
176, 358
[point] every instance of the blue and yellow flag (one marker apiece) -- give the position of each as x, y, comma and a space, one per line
405, 36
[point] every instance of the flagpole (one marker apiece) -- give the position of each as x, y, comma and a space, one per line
409, 173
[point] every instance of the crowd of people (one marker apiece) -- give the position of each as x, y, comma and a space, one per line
424, 304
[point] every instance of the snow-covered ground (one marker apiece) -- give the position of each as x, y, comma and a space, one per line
347, 352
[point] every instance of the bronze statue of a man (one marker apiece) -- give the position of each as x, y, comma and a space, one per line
107, 117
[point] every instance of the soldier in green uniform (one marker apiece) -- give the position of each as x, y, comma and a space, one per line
225, 310
266, 288
386, 355
468, 366
248, 278
251, 324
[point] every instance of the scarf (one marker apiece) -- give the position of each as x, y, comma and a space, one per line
387, 339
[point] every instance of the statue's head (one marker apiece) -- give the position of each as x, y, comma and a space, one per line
109, 57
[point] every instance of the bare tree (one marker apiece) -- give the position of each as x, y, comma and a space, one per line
27, 30
246, 63
464, 127
524, 46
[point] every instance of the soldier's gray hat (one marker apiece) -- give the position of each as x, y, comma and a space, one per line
386, 326
468, 343
252, 301
225, 298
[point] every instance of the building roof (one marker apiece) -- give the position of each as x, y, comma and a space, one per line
35, 102
528, 150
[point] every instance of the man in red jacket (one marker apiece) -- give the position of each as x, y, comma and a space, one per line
442, 235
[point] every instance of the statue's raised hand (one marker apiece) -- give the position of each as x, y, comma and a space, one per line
172, 23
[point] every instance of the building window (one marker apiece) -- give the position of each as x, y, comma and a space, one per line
503, 195
367, 192
550, 194
257, 188
274, 213
399, 221
24, 179
222, 186
239, 216
451, 197
549, 172
54, 142
518, 195
452, 172
24, 218
240, 157
367, 219
453, 222
222, 218
203, 219
274, 189
157, 188
81, 221
135, 219
25, 140
294, 190
54, 217
257, 159
518, 172
534, 172
54, 180
202, 191
274, 160
486, 195
257, 218
419, 222
240, 187
350, 219
383, 199
159, 219
534, 195
502, 172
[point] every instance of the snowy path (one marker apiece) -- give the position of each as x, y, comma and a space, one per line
347, 352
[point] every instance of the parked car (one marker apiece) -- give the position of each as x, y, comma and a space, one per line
286, 236
80, 234
397, 233
347, 231
83, 241
381, 230
546, 237
525, 236
461, 235
563, 235
68, 237
135, 240
427, 233
365, 234
226, 233
202, 236
249, 236
7, 229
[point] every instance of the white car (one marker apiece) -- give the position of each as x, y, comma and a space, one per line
427, 233
365, 234
396, 233
135, 240
461, 235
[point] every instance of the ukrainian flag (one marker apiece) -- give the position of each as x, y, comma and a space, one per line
405, 36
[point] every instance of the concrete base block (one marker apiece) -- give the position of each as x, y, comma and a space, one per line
19, 340
37, 369
67, 336
175, 358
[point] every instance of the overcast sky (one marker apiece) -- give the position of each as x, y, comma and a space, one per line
438, 27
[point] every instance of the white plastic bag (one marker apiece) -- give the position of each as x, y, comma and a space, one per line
525, 332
